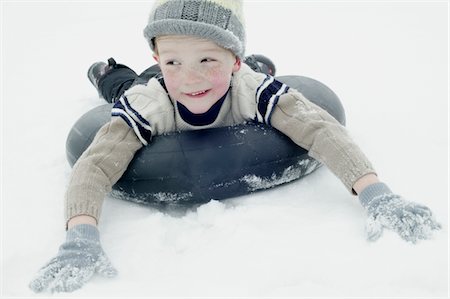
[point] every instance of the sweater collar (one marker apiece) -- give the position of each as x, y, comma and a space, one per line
202, 119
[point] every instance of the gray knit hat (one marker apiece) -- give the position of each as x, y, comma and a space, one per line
218, 20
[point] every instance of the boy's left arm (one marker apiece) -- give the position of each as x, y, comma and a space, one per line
326, 140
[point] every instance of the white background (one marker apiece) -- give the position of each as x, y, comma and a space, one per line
387, 61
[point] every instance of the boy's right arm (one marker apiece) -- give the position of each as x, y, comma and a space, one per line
94, 174
100, 166
98, 169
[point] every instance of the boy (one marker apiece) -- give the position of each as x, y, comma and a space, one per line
199, 46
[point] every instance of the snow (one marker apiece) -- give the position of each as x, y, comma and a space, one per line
388, 62
302, 168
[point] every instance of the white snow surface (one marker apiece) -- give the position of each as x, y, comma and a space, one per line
388, 63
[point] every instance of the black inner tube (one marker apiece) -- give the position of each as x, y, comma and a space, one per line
219, 163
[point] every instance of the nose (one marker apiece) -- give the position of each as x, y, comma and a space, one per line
192, 75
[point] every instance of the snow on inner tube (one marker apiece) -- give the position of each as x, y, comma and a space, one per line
197, 166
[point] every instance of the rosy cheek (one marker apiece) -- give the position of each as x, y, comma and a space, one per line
172, 89
171, 81
219, 78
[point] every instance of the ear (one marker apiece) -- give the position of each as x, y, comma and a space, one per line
156, 57
237, 65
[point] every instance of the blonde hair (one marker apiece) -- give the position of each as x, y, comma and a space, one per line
184, 38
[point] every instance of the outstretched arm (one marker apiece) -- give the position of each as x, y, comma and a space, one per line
326, 140
81, 255
98, 169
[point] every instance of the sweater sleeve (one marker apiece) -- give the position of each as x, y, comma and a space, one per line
326, 140
266, 100
142, 112
99, 168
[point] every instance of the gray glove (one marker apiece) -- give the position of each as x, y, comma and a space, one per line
386, 209
78, 259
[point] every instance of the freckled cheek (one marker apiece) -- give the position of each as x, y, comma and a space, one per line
220, 79
172, 83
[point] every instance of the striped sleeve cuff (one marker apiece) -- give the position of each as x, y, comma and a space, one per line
136, 121
267, 96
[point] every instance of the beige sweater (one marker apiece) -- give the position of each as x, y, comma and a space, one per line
252, 95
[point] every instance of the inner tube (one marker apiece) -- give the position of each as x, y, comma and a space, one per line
194, 167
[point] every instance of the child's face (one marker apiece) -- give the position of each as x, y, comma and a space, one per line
197, 72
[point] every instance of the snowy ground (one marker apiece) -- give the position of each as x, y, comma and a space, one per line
388, 62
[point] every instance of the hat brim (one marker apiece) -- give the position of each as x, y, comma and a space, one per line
224, 38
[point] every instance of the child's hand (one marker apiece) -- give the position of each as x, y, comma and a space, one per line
78, 259
386, 209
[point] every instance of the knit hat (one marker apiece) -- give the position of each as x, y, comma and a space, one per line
220, 21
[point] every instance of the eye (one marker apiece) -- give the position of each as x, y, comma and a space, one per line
172, 62
208, 60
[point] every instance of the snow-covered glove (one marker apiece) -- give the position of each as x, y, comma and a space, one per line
388, 210
78, 259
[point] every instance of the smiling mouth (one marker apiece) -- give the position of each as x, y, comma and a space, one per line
199, 93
